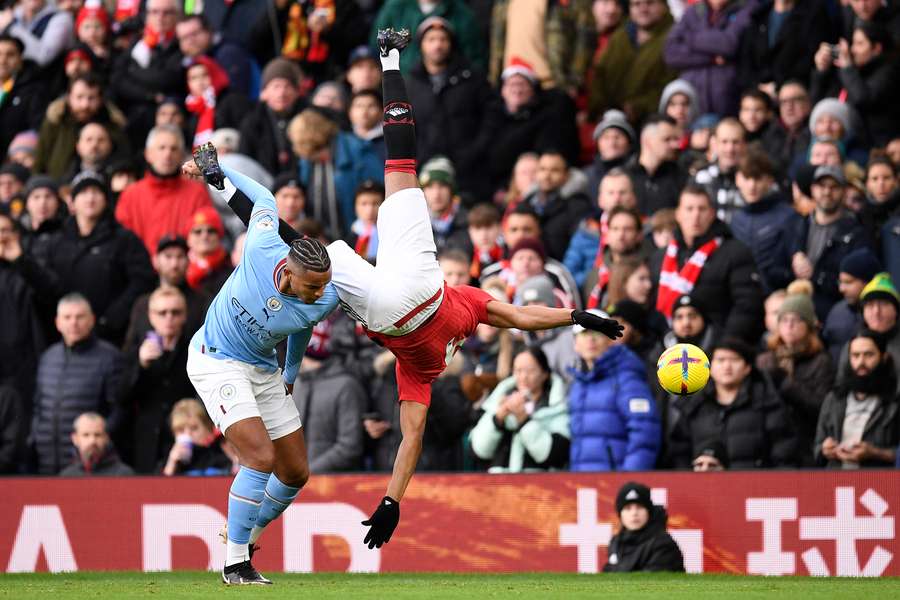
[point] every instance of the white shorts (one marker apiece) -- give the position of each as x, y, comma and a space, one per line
232, 390
406, 271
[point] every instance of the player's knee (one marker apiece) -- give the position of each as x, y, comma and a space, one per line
296, 476
261, 458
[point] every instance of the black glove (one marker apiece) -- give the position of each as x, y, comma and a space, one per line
382, 523
608, 327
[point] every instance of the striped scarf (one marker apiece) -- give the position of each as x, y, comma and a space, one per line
366, 239
674, 283
483, 257
6, 88
602, 270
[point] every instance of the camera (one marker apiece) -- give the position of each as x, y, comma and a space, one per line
835, 51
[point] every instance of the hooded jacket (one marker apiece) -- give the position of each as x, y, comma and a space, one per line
764, 227
650, 548
615, 426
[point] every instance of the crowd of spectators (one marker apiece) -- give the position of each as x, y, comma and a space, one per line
717, 172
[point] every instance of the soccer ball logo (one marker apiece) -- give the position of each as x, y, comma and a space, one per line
683, 369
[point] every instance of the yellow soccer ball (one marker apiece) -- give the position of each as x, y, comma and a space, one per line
683, 369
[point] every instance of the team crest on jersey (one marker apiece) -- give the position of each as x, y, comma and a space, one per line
264, 223
227, 391
274, 304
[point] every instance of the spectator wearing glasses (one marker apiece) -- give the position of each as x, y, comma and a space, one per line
790, 136
156, 377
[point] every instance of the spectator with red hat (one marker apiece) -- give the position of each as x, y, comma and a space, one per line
162, 202
211, 103
92, 31
197, 38
209, 264
529, 119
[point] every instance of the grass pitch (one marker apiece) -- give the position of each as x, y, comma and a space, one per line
196, 585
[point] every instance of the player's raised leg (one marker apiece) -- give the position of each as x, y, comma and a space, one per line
399, 126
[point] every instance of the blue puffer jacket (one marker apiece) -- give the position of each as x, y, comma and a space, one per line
613, 417
581, 253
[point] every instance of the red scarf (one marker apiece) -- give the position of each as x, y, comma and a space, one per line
674, 283
154, 38
204, 106
366, 234
199, 268
602, 269
482, 257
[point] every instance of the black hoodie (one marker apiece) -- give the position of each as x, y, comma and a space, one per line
650, 548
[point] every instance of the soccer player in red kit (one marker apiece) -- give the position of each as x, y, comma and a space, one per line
402, 301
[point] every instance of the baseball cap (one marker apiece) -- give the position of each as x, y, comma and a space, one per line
361, 53
171, 241
576, 328
87, 179
836, 173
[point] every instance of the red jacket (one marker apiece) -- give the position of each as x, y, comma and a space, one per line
153, 207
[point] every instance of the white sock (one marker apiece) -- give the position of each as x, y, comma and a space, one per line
255, 533
236, 553
391, 62
225, 194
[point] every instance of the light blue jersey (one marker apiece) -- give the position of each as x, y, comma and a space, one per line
249, 316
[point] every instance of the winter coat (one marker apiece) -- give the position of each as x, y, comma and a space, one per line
650, 548
59, 135
109, 267
452, 120
842, 323
870, 90
791, 56
401, 14
764, 227
107, 464
135, 87
614, 422
355, 160
657, 190
22, 108
153, 207
152, 392
70, 381
728, 285
264, 137
547, 122
874, 215
882, 430
890, 247
13, 428
803, 392
581, 253
560, 215
693, 44
569, 38
331, 402
846, 237
756, 429
783, 146
631, 76
540, 443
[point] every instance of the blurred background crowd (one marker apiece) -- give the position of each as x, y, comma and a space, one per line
718, 172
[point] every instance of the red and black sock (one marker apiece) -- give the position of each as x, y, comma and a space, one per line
399, 125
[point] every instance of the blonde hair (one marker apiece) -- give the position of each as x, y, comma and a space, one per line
187, 409
800, 286
311, 132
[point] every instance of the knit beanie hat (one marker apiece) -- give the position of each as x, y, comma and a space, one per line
615, 118
208, 216
837, 109
631, 312
529, 243
26, 141
693, 302
800, 305
880, 288
282, 68
633, 492
536, 289
37, 182
861, 263
438, 169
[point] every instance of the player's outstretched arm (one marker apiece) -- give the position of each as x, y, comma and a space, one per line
385, 518
533, 318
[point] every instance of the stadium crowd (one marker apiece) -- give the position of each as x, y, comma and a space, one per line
718, 172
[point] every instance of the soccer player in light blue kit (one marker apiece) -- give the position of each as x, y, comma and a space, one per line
277, 292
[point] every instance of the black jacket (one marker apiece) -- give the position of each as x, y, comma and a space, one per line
659, 190
13, 428
107, 464
648, 549
451, 120
882, 430
791, 56
729, 284
70, 381
151, 394
847, 237
560, 216
23, 107
756, 429
110, 267
783, 146
263, 140
547, 122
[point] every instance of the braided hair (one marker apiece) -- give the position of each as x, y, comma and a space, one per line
311, 254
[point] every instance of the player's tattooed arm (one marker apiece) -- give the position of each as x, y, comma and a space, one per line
242, 206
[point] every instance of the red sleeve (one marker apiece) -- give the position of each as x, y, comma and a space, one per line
123, 212
478, 299
410, 388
